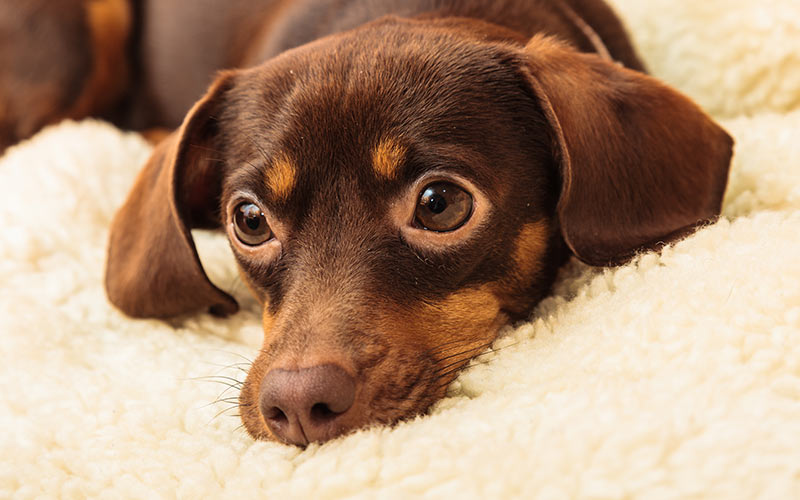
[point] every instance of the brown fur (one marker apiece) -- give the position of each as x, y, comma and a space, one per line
538, 108
45, 56
110, 25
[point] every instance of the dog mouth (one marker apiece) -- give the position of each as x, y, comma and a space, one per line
318, 404
305, 389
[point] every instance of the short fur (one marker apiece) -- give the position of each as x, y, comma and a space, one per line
567, 152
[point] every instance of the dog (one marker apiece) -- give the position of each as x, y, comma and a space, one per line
398, 179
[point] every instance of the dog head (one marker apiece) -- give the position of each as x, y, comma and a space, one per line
396, 194
63, 59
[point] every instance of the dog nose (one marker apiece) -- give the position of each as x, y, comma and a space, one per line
306, 405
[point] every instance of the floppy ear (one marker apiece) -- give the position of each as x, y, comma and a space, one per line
153, 269
641, 165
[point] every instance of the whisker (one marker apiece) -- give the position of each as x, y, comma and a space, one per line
232, 365
236, 367
234, 354
218, 378
447, 370
441, 347
231, 387
463, 357
477, 348
228, 387
223, 411
472, 365
490, 351
232, 399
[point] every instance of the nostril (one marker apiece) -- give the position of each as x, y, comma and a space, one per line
276, 415
322, 413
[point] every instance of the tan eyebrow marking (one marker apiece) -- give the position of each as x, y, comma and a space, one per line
386, 158
281, 177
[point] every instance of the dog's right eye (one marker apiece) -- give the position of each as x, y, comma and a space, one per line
250, 225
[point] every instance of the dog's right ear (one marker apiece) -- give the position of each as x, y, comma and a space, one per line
153, 270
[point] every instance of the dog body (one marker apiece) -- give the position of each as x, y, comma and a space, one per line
398, 180
143, 63
177, 65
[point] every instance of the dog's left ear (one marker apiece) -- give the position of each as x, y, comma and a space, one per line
641, 165
153, 269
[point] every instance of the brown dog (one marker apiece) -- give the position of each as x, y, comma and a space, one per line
398, 188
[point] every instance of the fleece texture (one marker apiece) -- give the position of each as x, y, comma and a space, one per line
675, 376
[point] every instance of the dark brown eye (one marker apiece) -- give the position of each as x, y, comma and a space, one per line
443, 207
251, 225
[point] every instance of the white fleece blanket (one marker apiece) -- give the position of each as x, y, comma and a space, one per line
677, 376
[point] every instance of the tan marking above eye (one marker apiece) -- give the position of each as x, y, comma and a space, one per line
386, 158
281, 177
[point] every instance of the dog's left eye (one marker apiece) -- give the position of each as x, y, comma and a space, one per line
250, 225
443, 207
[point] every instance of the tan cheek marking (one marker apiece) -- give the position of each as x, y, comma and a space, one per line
529, 249
267, 321
465, 320
386, 158
281, 177
455, 330
110, 24
471, 318
472, 306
